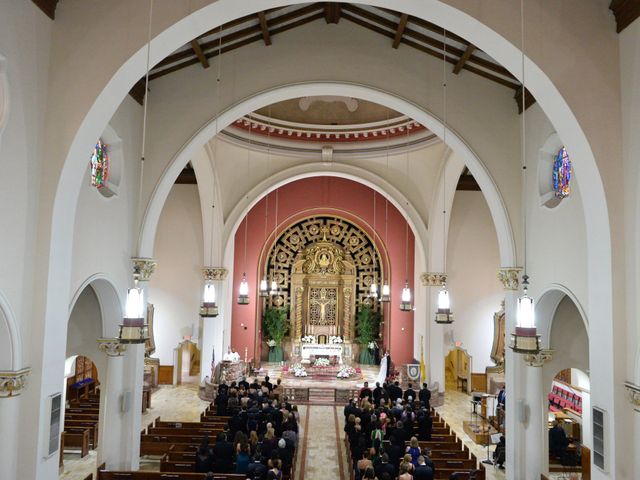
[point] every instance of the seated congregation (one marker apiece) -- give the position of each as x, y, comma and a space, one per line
394, 434
255, 432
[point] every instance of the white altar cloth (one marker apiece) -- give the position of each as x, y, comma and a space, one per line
308, 349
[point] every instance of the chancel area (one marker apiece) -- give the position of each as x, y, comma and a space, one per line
267, 240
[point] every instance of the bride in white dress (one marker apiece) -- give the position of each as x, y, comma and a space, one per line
384, 369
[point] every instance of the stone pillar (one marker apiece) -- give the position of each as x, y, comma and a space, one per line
110, 442
514, 371
213, 328
12, 384
435, 343
536, 421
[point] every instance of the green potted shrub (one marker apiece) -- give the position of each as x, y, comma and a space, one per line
368, 328
276, 325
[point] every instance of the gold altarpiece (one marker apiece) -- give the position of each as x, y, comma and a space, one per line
323, 267
323, 280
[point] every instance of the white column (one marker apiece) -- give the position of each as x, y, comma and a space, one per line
514, 371
11, 384
435, 339
213, 328
111, 391
536, 421
133, 377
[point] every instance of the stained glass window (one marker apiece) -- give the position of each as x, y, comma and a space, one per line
562, 174
100, 165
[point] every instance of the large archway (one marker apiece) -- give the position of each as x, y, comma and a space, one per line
599, 256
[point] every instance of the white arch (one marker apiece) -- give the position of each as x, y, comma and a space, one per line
309, 170
480, 173
547, 304
13, 341
111, 310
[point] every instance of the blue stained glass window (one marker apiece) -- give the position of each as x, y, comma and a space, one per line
100, 165
562, 174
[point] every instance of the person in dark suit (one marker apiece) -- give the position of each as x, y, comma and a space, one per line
425, 425
422, 471
558, 441
409, 392
365, 391
223, 454
377, 394
394, 451
424, 395
256, 469
385, 466
267, 383
204, 460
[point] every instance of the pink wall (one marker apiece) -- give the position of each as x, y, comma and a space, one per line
316, 196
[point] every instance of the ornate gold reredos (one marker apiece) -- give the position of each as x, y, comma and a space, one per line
323, 259
323, 245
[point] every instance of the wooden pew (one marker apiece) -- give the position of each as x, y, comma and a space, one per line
92, 426
76, 437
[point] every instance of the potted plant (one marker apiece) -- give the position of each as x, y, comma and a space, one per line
276, 326
368, 326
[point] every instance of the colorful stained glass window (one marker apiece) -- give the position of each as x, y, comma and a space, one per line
562, 174
100, 165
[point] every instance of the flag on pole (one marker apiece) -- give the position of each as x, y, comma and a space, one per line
423, 368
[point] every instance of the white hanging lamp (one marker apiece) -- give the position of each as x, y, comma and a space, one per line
274, 288
443, 314
373, 288
525, 340
208, 308
264, 288
243, 291
385, 296
264, 284
134, 329
405, 303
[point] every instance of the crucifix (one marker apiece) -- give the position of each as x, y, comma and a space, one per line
323, 301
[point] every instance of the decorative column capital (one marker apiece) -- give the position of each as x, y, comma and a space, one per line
12, 382
538, 359
143, 268
111, 346
431, 279
633, 392
510, 278
215, 273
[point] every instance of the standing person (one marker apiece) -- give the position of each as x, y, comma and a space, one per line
424, 395
384, 368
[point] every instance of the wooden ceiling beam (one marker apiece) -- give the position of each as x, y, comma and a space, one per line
400, 31
625, 11
195, 46
227, 46
430, 51
332, 12
137, 91
463, 59
439, 45
529, 99
235, 23
47, 6
265, 28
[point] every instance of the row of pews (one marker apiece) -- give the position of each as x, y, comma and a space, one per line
448, 453
177, 444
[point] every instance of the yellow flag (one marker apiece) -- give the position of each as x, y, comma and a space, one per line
423, 368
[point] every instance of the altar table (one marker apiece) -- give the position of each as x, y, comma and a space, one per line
329, 350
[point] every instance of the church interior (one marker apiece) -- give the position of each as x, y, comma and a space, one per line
393, 239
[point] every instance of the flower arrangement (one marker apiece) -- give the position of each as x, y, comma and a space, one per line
321, 362
335, 339
346, 372
372, 345
271, 343
298, 370
308, 339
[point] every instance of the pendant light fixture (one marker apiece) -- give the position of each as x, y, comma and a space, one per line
385, 296
243, 289
264, 285
405, 298
443, 314
373, 288
274, 284
525, 340
134, 329
208, 307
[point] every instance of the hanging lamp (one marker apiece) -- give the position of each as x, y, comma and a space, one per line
443, 313
208, 307
274, 284
243, 289
405, 298
525, 340
134, 328
385, 296
373, 288
264, 284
